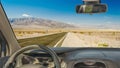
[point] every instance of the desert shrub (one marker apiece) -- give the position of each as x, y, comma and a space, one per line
103, 45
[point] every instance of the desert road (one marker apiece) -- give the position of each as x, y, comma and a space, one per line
69, 39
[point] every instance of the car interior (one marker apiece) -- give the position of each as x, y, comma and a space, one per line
26, 53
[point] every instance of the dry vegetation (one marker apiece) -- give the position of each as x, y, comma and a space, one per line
50, 37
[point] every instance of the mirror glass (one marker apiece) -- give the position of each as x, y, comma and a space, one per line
92, 8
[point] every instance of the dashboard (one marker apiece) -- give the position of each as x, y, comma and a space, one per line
79, 57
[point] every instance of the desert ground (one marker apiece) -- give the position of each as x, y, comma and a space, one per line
69, 37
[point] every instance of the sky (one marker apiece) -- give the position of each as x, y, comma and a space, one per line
61, 10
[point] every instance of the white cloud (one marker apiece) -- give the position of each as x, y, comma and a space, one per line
26, 15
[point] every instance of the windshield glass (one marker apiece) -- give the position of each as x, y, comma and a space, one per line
55, 23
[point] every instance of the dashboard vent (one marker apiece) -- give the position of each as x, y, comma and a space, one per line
96, 65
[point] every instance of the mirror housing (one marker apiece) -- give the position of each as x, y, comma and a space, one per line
91, 8
91, 1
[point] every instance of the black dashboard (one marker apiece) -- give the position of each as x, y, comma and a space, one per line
80, 57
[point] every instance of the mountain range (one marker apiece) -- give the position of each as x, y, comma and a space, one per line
45, 23
38, 23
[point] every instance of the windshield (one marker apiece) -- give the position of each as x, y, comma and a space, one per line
55, 23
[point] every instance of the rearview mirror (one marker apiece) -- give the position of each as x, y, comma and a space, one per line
91, 8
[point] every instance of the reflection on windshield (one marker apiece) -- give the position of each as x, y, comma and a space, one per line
56, 24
